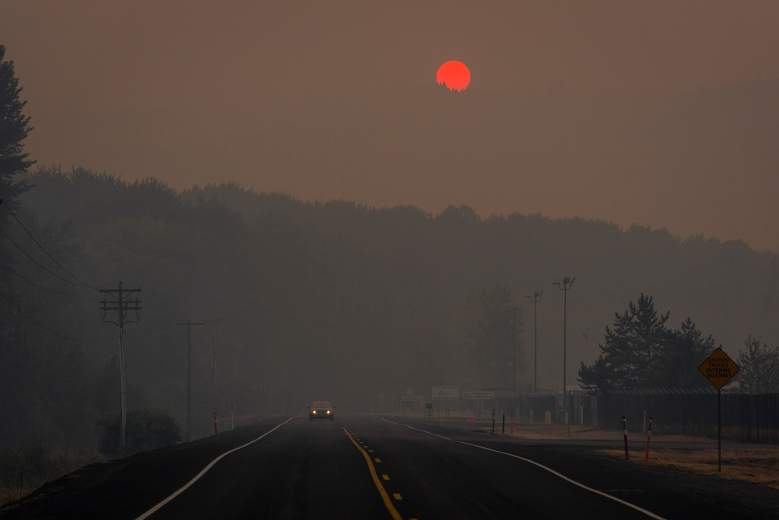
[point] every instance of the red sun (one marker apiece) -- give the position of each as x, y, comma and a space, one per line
453, 74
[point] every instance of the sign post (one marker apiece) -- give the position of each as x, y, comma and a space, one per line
719, 369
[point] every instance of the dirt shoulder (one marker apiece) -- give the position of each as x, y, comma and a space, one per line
757, 465
596, 459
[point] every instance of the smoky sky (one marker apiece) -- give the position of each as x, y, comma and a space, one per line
661, 113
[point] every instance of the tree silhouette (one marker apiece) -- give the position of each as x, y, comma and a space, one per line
640, 351
493, 341
683, 351
632, 348
759, 367
14, 128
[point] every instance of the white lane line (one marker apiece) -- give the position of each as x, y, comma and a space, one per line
420, 430
650, 514
203, 471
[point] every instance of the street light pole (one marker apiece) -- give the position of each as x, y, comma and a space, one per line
536, 297
565, 285
515, 349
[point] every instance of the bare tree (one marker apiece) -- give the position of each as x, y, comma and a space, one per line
759, 367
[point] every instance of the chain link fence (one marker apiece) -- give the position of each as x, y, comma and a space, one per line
745, 417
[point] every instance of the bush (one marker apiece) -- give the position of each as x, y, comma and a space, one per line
146, 430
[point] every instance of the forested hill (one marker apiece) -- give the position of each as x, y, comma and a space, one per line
338, 297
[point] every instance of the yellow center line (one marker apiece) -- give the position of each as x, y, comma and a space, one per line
375, 477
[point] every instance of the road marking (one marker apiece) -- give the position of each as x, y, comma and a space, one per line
397, 496
203, 471
420, 430
650, 514
375, 477
385, 476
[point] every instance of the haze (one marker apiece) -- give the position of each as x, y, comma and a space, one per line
260, 260
659, 113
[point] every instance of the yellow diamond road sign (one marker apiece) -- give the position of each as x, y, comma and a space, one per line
718, 368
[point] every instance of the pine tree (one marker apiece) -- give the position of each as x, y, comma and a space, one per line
632, 350
682, 353
14, 128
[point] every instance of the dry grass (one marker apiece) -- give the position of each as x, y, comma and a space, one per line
9, 494
20, 478
758, 465
586, 433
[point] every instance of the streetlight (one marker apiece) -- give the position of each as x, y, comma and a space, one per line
515, 349
536, 297
565, 285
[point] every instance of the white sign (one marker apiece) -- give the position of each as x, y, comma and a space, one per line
409, 399
479, 395
446, 393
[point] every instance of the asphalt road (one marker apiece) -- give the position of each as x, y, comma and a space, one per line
373, 467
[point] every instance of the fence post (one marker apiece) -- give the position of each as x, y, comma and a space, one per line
650, 425
625, 436
719, 429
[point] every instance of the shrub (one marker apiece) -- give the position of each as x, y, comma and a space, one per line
146, 430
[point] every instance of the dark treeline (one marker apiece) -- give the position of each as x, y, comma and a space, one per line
322, 300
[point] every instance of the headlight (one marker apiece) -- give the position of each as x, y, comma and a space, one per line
313, 412
328, 412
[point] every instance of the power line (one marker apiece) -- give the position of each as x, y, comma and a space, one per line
55, 332
36, 262
48, 254
39, 324
19, 275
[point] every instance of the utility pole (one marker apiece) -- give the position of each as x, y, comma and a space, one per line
536, 297
121, 305
189, 324
214, 389
515, 350
565, 285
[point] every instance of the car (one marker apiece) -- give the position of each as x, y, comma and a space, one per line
321, 410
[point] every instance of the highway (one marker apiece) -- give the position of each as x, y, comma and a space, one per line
383, 467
